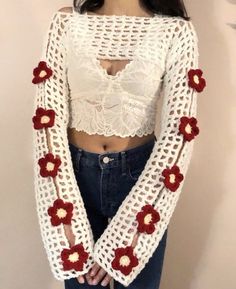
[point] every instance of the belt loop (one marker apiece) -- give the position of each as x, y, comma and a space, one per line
123, 163
77, 159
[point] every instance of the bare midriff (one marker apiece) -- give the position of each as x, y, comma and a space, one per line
99, 143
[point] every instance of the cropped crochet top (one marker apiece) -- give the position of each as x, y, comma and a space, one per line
74, 90
123, 104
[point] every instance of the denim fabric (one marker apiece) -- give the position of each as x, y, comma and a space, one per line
104, 181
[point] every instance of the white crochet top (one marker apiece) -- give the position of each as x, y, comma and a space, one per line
72, 89
123, 104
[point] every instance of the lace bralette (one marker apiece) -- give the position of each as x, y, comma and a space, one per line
123, 103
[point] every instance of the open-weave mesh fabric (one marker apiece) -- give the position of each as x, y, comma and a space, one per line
165, 57
169, 149
123, 104
53, 94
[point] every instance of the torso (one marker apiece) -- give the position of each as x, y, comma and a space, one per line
99, 143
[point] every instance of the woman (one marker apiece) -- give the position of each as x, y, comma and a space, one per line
106, 185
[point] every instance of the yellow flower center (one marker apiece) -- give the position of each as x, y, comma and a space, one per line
124, 260
188, 128
172, 178
147, 219
61, 213
196, 79
45, 119
73, 257
42, 73
50, 166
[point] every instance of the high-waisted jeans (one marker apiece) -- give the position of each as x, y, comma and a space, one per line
104, 181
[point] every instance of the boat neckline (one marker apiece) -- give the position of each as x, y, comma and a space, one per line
112, 16
117, 16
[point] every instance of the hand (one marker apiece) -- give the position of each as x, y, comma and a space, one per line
96, 274
81, 279
94, 279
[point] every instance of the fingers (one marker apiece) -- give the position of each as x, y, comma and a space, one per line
97, 273
94, 269
106, 280
99, 276
89, 278
81, 279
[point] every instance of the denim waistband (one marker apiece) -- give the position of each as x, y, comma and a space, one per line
111, 159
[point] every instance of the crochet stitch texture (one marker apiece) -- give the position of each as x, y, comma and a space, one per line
71, 83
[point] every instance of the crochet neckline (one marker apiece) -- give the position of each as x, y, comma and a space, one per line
114, 16
140, 20
118, 16
136, 20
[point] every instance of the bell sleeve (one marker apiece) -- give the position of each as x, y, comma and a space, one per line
58, 199
148, 207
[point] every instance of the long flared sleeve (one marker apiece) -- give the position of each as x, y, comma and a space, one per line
148, 207
58, 199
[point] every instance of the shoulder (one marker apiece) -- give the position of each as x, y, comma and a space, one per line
182, 30
183, 39
185, 27
60, 20
66, 9
176, 27
63, 14
179, 23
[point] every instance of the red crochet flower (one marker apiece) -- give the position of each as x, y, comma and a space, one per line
49, 165
195, 79
188, 127
147, 218
60, 212
74, 258
43, 118
173, 177
41, 72
124, 260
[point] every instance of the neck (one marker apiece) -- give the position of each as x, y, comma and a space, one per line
123, 7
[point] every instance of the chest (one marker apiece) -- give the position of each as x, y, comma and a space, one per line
112, 53
112, 67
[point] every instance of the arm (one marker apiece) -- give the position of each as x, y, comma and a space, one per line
59, 203
151, 202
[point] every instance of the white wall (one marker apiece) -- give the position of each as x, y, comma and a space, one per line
201, 244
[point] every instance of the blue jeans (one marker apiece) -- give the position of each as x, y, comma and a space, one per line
104, 181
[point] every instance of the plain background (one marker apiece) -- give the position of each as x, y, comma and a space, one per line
201, 246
